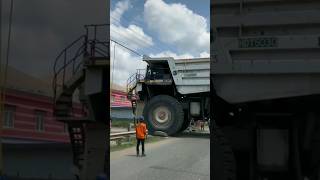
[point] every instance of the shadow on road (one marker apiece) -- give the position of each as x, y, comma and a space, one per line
203, 135
132, 155
193, 135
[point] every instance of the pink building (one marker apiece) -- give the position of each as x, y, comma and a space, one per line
120, 105
28, 111
119, 98
29, 116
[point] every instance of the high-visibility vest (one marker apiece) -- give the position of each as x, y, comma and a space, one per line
141, 130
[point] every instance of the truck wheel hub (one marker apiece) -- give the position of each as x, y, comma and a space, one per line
162, 114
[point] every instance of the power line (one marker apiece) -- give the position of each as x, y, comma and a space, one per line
134, 22
139, 37
124, 43
135, 52
135, 36
122, 15
126, 38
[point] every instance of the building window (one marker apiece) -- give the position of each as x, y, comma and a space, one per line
40, 120
123, 98
9, 116
112, 98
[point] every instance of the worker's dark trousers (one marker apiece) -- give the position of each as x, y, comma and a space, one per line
138, 144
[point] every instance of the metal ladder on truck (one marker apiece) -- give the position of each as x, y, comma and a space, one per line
81, 68
132, 83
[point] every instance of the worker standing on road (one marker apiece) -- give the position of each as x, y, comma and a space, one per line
141, 133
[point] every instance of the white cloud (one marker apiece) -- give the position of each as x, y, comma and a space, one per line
116, 14
172, 54
125, 62
132, 36
177, 25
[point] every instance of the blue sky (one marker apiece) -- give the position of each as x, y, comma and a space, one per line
176, 28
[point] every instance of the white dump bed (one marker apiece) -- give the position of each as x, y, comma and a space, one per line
189, 75
265, 49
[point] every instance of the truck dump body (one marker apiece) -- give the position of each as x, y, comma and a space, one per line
265, 49
189, 75
265, 74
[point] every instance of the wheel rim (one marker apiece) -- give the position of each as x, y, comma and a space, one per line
162, 115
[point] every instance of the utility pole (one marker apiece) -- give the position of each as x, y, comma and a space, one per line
3, 78
1, 94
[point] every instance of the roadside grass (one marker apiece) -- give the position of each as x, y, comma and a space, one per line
124, 123
131, 142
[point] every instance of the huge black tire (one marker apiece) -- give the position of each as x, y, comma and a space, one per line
163, 113
223, 161
185, 123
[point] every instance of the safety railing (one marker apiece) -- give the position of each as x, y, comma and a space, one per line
66, 66
135, 78
97, 41
120, 134
71, 59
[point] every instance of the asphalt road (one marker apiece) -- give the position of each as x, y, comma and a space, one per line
175, 158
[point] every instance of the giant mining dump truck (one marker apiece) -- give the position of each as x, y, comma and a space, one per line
170, 92
265, 86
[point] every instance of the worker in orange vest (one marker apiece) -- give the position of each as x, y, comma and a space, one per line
141, 134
